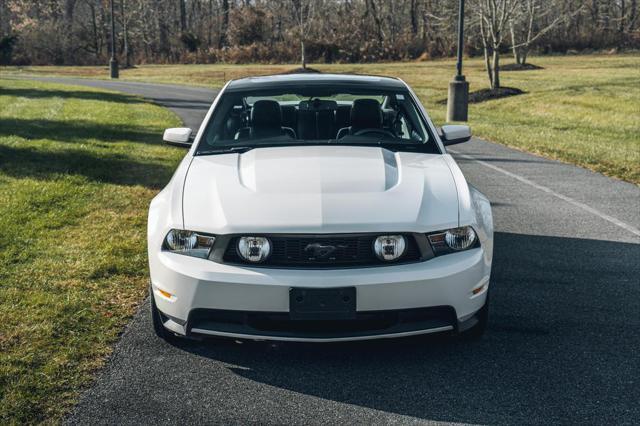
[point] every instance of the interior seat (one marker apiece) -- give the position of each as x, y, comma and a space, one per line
316, 119
306, 124
289, 116
365, 114
266, 122
343, 114
326, 124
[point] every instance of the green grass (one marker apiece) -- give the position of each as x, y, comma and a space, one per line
579, 109
78, 168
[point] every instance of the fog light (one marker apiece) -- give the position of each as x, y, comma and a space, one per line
254, 249
389, 247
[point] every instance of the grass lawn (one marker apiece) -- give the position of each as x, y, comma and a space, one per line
78, 168
579, 109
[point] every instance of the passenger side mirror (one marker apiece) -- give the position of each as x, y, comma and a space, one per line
178, 136
455, 133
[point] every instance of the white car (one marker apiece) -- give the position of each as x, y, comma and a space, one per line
316, 207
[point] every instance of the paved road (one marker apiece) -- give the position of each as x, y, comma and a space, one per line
563, 344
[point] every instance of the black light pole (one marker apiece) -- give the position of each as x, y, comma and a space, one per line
457, 104
113, 62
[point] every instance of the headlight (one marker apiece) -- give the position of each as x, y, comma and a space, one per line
389, 247
453, 240
188, 243
254, 249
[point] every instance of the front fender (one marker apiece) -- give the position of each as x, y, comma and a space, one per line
483, 221
165, 210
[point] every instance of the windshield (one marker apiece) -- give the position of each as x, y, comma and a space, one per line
246, 119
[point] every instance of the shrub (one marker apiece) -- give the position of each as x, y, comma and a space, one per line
7, 43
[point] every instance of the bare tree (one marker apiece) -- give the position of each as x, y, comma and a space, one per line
524, 25
493, 18
303, 11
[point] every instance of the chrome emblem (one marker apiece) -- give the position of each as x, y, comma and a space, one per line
321, 251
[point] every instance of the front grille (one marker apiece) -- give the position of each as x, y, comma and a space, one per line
350, 251
280, 324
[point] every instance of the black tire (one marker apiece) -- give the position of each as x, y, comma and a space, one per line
479, 328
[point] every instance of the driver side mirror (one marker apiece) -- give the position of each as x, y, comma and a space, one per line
455, 133
178, 136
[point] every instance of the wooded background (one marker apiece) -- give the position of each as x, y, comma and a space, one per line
239, 31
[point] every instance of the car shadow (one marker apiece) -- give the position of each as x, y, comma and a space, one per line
562, 346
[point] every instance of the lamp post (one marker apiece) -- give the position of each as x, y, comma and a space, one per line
113, 62
458, 100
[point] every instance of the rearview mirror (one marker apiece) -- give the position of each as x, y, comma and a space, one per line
455, 133
178, 136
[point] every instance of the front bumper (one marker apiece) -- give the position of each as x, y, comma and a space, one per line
198, 296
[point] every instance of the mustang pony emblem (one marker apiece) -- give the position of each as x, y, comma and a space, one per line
321, 251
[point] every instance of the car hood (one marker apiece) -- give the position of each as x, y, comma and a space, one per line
324, 189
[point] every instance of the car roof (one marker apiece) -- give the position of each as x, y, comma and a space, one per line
315, 79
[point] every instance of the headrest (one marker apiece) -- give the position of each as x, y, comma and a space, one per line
266, 114
366, 114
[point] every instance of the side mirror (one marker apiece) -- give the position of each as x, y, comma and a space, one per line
455, 133
178, 136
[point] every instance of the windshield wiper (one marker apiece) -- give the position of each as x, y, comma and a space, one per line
401, 146
392, 146
227, 150
244, 148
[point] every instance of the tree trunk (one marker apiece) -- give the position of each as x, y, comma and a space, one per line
104, 32
303, 59
425, 27
514, 44
414, 17
125, 30
183, 16
69, 9
485, 48
523, 55
495, 65
487, 63
392, 21
225, 24
94, 29
163, 38
377, 21
633, 15
210, 23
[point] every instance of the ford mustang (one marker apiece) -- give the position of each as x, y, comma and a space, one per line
318, 207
